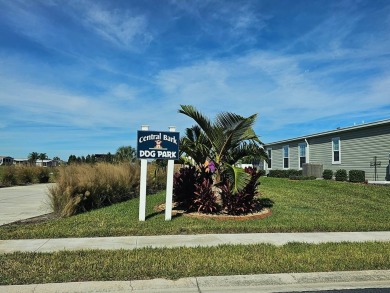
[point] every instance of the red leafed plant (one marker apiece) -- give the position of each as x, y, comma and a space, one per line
205, 200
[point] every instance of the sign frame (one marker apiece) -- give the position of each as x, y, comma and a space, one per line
160, 145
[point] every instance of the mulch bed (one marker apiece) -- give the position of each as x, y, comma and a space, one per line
265, 212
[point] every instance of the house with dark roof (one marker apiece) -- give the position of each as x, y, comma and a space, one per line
361, 147
5, 160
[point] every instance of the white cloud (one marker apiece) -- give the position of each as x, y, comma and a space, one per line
54, 106
118, 27
275, 86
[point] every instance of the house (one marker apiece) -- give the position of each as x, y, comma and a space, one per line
359, 147
47, 163
21, 161
6, 160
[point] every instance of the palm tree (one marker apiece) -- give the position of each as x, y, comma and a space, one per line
225, 141
125, 153
33, 157
42, 156
195, 144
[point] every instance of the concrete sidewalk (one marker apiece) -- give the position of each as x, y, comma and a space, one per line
245, 283
134, 242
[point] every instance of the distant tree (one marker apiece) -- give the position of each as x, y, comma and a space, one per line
57, 159
88, 159
72, 159
33, 157
125, 154
109, 158
42, 156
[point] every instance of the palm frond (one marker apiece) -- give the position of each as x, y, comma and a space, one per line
190, 111
236, 176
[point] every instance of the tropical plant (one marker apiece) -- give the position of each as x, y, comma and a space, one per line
205, 200
225, 141
245, 201
184, 186
33, 157
196, 145
125, 154
42, 156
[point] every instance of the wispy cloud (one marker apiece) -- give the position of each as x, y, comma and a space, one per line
119, 27
277, 87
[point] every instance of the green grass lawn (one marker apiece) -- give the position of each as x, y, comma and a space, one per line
149, 263
299, 206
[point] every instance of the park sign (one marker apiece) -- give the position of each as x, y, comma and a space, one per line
158, 145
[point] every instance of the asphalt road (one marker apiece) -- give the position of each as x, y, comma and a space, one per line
23, 202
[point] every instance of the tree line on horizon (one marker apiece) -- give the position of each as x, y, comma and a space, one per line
123, 154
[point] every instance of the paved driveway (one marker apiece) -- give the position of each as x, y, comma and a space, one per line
23, 202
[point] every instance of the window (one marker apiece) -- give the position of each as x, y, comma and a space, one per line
302, 154
336, 153
269, 152
285, 157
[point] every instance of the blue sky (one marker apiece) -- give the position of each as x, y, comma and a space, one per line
81, 77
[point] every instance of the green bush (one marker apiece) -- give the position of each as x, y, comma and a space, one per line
284, 173
357, 176
327, 174
43, 175
341, 175
85, 187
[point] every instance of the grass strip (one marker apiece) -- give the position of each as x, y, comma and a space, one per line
148, 263
299, 206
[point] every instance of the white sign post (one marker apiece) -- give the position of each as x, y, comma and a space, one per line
142, 191
157, 145
169, 191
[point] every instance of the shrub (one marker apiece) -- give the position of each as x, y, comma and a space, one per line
341, 175
244, 201
205, 200
184, 186
9, 177
327, 174
284, 173
189, 188
26, 174
356, 176
85, 187
43, 175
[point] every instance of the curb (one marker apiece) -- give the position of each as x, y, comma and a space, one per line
244, 283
